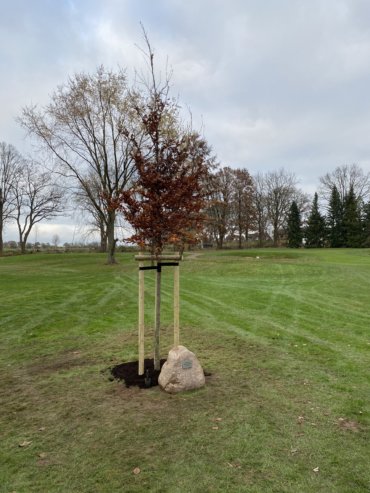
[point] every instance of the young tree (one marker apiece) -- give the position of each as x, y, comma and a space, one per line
87, 127
36, 199
335, 220
172, 162
352, 224
294, 227
10, 167
315, 233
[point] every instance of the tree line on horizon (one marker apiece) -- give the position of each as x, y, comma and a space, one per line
269, 209
114, 151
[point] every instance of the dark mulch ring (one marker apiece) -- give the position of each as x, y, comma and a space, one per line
128, 373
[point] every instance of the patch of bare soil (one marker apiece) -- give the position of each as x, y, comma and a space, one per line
347, 424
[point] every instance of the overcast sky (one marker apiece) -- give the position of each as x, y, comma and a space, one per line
275, 83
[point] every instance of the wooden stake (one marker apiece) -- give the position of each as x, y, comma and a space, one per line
157, 361
141, 320
176, 305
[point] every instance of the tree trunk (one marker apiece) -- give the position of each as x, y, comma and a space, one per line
157, 356
103, 239
22, 244
276, 235
1, 237
111, 259
260, 235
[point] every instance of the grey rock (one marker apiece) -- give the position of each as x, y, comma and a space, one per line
182, 371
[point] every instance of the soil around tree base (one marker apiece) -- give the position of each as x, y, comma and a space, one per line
128, 373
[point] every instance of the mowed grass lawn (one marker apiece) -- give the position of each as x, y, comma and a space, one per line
286, 337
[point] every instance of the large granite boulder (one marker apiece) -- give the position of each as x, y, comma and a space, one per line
182, 371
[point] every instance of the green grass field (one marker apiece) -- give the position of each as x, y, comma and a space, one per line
286, 338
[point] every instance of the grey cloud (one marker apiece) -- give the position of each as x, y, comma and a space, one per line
275, 82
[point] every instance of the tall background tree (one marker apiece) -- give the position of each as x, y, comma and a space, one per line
10, 168
281, 189
315, 232
92, 213
366, 225
294, 227
87, 127
260, 207
220, 204
343, 178
36, 199
352, 224
243, 212
335, 220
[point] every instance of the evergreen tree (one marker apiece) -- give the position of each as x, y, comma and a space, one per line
294, 227
366, 226
335, 219
352, 224
315, 231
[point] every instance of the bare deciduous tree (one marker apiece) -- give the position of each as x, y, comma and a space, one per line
55, 240
87, 126
344, 178
219, 210
93, 212
260, 206
243, 211
36, 199
281, 190
10, 166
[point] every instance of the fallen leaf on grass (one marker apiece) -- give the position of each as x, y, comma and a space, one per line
300, 419
214, 427
137, 471
42, 428
293, 451
42, 455
25, 443
236, 465
316, 469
